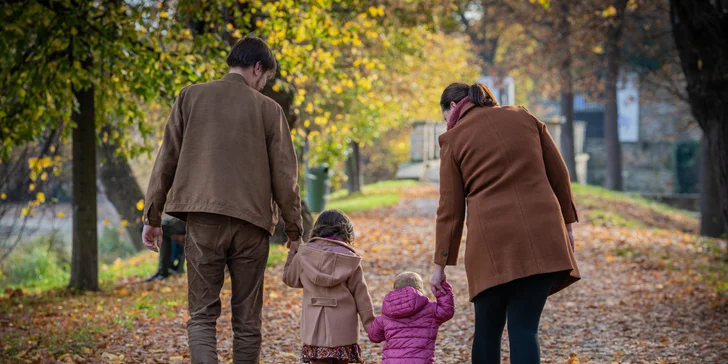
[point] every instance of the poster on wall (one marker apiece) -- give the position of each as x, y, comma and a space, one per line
628, 107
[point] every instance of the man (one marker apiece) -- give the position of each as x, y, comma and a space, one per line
226, 161
171, 252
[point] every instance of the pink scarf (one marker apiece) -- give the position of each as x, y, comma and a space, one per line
455, 114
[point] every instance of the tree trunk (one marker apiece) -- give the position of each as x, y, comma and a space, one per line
611, 118
567, 92
711, 221
700, 30
122, 189
353, 169
84, 260
718, 145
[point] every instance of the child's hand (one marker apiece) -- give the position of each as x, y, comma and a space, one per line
293, 245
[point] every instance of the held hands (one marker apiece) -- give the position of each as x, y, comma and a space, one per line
152, 237
438, 277
294, 244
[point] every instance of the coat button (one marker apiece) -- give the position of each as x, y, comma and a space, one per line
444, 254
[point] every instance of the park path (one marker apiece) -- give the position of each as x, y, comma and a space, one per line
643, 299
623, 310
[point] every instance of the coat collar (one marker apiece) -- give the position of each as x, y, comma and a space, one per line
235, 77
469, 106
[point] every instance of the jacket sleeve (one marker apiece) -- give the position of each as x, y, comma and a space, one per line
451, 211
292, 268
376, 331
358, 287
284, 171
558, 174
165, 165
445, 304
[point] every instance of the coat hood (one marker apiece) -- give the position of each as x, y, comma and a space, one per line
403, 302
328, 262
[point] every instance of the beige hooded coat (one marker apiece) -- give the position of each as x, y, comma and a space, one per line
335, 294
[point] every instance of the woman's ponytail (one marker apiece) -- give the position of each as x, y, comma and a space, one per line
480, 95
459, 94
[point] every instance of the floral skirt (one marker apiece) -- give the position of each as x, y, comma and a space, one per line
351, 353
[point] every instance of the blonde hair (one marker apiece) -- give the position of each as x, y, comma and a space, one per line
409, 279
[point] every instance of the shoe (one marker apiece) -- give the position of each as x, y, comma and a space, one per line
177, 269
156, 277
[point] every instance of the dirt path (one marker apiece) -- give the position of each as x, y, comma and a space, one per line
642, 299
623, 310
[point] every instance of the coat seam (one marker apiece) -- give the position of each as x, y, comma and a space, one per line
485, 241
518, 198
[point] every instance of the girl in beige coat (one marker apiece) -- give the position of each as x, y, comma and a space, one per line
335, 294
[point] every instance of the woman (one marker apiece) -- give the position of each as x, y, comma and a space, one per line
503, 165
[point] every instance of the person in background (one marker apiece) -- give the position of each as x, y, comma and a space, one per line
171, 252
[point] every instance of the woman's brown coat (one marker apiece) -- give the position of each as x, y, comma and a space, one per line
502, 164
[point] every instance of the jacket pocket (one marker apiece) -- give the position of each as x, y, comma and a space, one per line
324, 302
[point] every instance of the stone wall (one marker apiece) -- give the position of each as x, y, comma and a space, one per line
648, 166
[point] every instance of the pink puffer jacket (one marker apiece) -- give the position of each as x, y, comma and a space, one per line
409, 324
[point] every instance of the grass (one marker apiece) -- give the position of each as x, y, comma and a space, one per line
607, 208
140, 265
613, 219
592, 195
380, 194
277, 255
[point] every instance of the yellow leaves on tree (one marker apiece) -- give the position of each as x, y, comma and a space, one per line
609, 12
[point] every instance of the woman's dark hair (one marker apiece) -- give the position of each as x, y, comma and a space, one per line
334, 224
478, 94
249, 51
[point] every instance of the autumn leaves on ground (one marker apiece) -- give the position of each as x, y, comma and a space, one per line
652, 292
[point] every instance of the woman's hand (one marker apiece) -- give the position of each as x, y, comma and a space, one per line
570, 230
438, 276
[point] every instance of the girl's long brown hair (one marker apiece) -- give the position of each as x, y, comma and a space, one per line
334, 224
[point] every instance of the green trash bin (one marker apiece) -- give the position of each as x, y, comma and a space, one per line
317, 187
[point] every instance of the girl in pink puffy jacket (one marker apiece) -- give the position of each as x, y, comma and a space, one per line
409, 321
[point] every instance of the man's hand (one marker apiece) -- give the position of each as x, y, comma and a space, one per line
152, 237
438, 276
